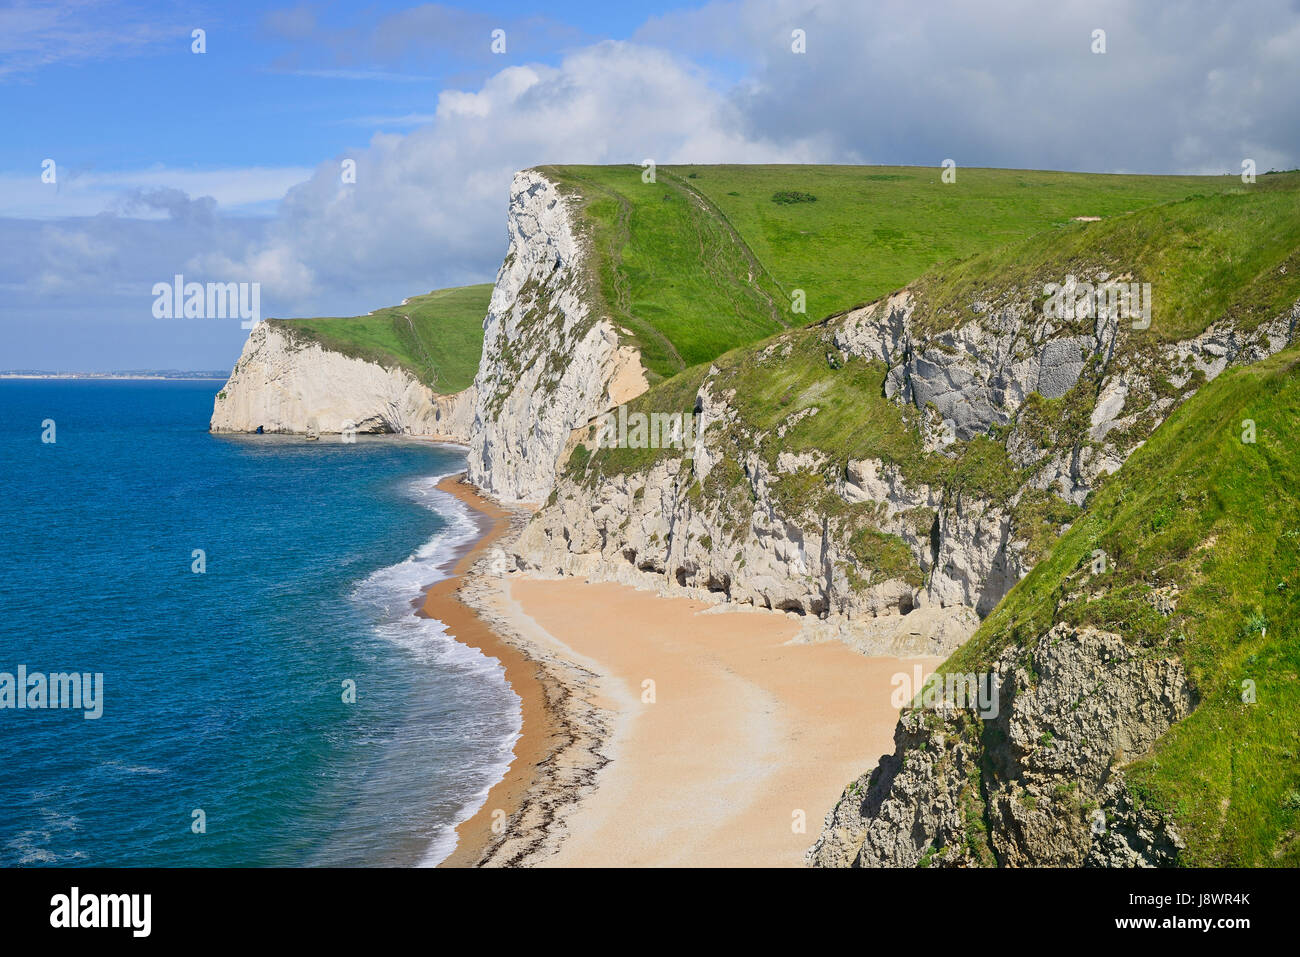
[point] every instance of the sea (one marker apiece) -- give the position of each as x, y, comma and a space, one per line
268, 696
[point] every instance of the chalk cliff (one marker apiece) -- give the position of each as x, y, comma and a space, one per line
720, 524
281, 384
549, 364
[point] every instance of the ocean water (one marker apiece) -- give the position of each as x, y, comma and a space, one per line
223, 691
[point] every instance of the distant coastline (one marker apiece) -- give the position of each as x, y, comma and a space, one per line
150, 374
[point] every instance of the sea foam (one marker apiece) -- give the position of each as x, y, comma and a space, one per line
392, 595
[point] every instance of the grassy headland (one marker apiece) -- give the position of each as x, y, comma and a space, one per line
1232, 255
437, 337
708, 258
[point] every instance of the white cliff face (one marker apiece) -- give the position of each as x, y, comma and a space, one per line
651, 531
548, 364
979, 374
1137, 392
673, 528
281, 385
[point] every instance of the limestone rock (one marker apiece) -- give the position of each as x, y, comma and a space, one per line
1044, 775
548, 365
282, 385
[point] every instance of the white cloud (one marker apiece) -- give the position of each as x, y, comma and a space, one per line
1188, 88
428, 207
1011, 84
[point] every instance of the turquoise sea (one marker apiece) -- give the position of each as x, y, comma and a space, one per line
223, 690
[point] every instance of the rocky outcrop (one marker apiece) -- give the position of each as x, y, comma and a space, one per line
1134, 394
978, 375
548, 364
674, 529
710, 525
281, 384
1039, 783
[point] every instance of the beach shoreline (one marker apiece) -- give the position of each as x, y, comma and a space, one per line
733, 760
556, 754
441, 601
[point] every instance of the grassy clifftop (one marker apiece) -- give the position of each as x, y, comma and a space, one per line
1228, 254
1216, 256
708, 258
437, 337
873, 229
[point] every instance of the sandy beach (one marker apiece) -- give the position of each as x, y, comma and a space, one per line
729, 745
659, 731
441, 602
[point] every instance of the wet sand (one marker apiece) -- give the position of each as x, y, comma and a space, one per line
442, 603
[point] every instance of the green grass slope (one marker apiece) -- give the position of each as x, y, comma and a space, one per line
437, 337
1233, 255
1199, 509
873, 229
709, 257
669, 269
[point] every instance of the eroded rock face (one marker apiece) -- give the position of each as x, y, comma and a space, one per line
655, 529
979, 374
1135, 395
976, 561
548, 365
1038, 784
920, 797
283, 385
671, 528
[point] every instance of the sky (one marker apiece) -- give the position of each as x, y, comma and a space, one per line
226, 165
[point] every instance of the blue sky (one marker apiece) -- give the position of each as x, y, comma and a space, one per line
225, 166
277, 89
